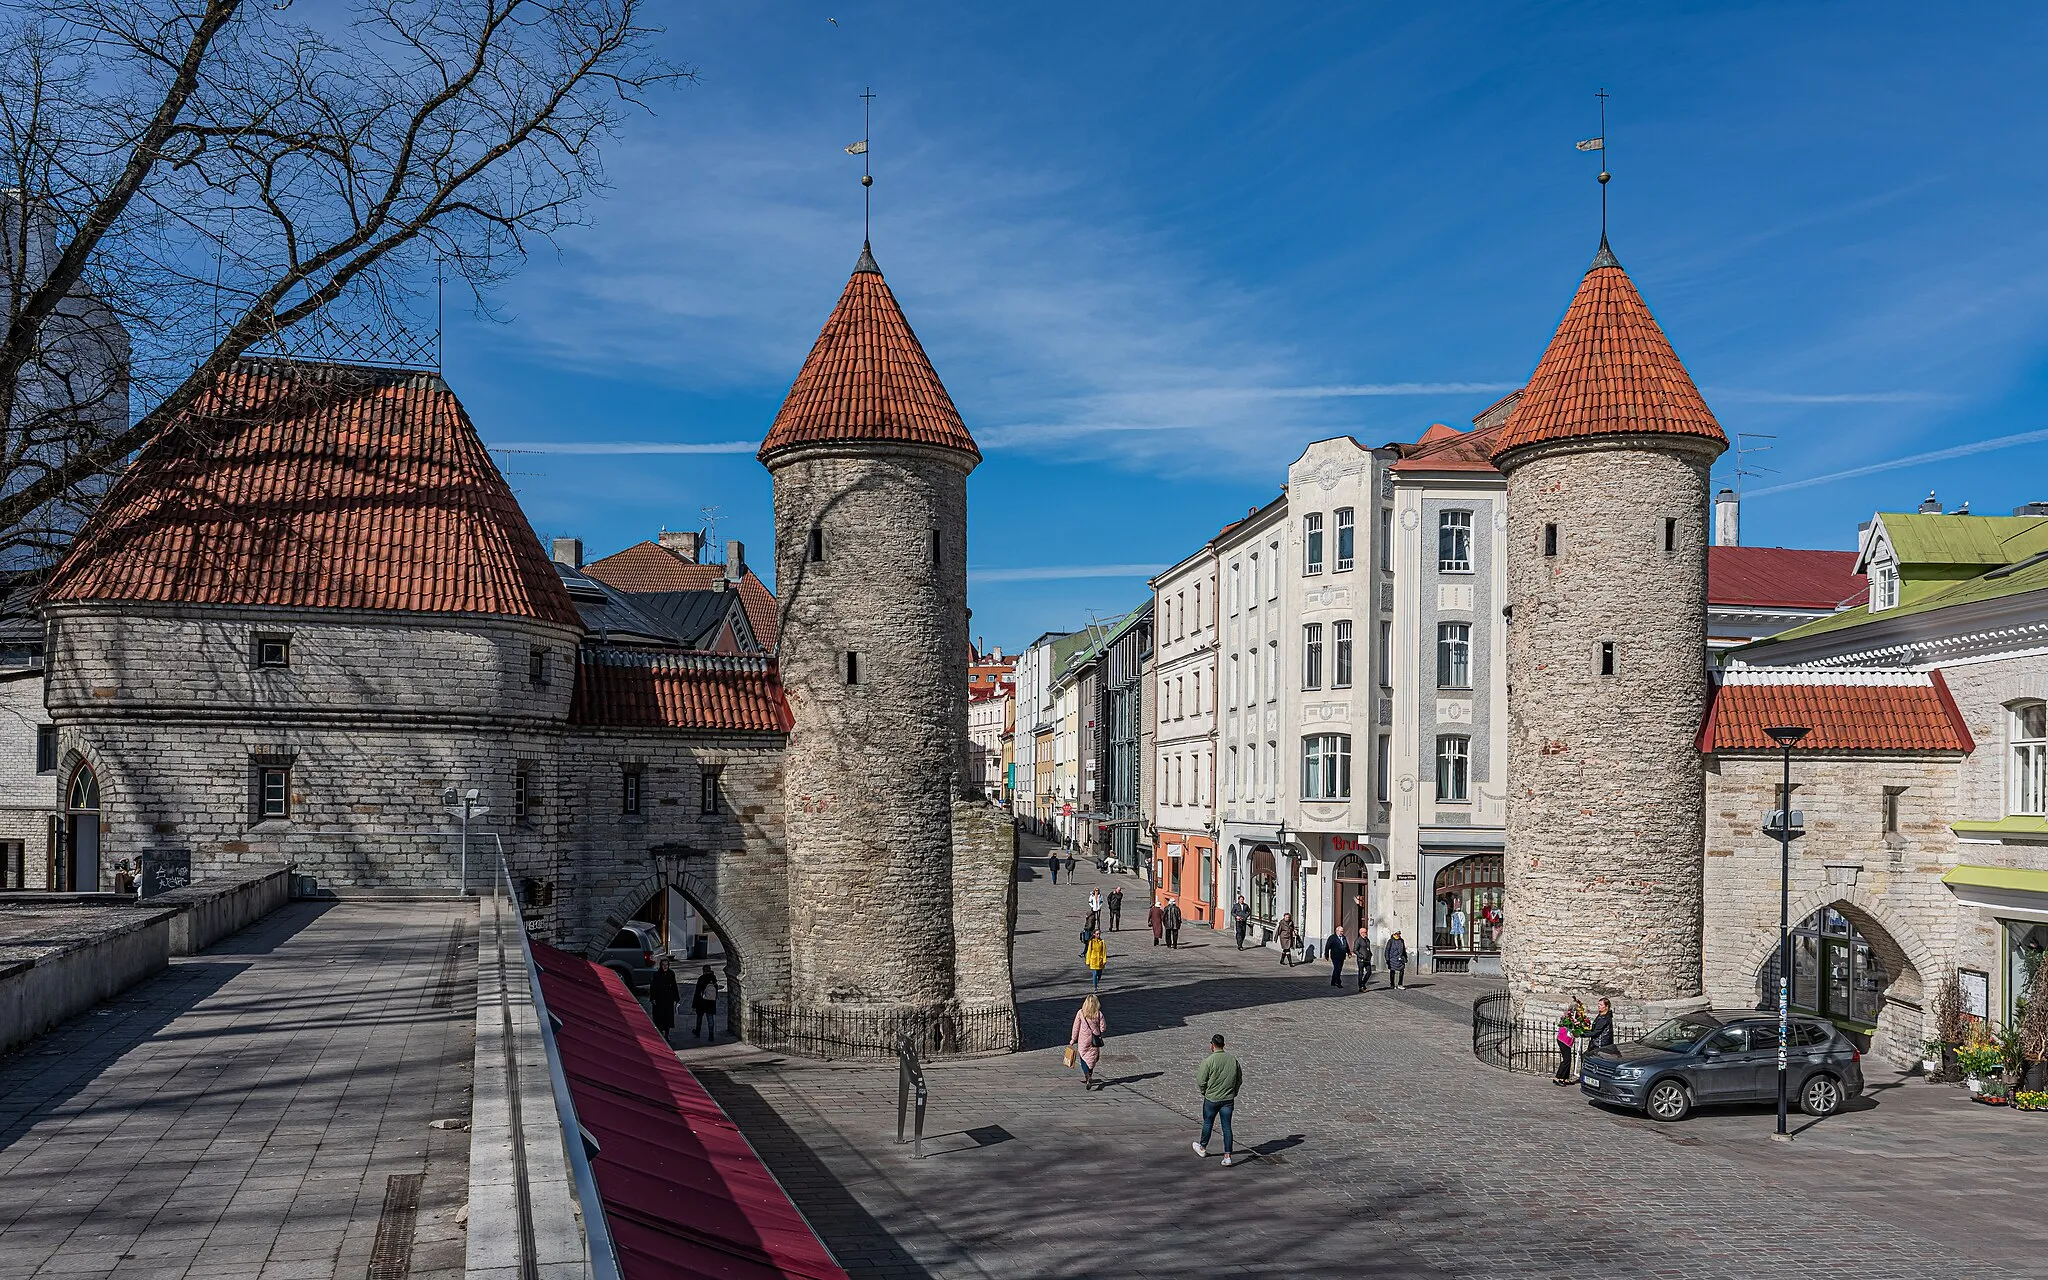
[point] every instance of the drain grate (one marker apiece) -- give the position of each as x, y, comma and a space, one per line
391, 1255
448, 981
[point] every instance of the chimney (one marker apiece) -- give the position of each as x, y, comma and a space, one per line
735, 561
688, 545
2031, 509
568, 551
1931, 507
1727, 519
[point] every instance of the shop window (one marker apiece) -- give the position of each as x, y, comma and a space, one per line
1205, 888
1467, 915
1835, 972
1264, 899
2026, 950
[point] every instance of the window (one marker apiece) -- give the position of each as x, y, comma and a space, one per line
1453, 768
13, 868
1607, 657
1205, 887
2030, 758
1386, 656
537, 666
1198, 608
1251, 600
816, 551
852, 667
1454, 542
1454, 655
1230, 779
1549, 539
1272, 670
1671, 533
935, 546
519, 794
1326, 766
1468, 894
1273, 570
1347, 539
1383, 763
273, 651
46, 748
273, 793
629, 790
1340, 666
1386, 539
1884, 586
709, 797
1272, 771
1891, 810
1251, 772
1835, 973
1312, 656
1180, 609
1236, 587
1312, 542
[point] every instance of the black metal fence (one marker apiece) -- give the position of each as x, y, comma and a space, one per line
852, 1035
1500, 1039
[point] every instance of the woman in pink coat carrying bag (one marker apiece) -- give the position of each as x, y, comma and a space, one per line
1085, 1045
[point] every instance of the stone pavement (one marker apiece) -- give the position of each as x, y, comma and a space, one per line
253, 1110
1382, 1148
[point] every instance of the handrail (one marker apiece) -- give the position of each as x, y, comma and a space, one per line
603, 1255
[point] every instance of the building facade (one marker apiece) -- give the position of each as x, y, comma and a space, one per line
1250, 568
1183, 757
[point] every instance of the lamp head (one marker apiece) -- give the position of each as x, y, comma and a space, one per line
1785, 735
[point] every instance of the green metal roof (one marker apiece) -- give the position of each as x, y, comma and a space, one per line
2012, 878
1990, 540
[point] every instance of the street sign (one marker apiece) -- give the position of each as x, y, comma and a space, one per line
474, 811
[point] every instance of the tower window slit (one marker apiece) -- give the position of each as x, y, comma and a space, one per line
1607, 657
1671, 533
852, 667
1549, 539
817, 548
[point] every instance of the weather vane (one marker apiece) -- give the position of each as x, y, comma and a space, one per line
867, 180
1600, 144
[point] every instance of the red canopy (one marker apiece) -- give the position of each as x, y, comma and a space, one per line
683, 1191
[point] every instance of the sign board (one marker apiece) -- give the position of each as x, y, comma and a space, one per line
164, 870
1976, 992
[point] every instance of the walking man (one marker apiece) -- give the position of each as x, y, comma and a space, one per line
1173, 924
1397, 961
1219, 1080
662, 994
1241, 918
704, 1005
1363, 953
1053, 860
1338, 950
1116, 909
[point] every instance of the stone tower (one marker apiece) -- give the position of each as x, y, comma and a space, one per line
870, 461
1606, 457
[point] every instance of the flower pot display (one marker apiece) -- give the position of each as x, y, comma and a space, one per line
2035, 1100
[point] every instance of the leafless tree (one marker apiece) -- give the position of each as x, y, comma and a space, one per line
185, 180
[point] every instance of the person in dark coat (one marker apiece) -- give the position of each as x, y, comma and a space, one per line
1156, 917
1054, 863
1601, 1036
1241, 920
1116, 909
1362, 952
662, 994
705, 1005
1397, 961
1173, 923
1338, 950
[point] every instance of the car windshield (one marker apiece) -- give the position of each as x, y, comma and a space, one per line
1679, 1033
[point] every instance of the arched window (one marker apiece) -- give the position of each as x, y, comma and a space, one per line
1468, 905
1835, 973
2028, 729
85, 791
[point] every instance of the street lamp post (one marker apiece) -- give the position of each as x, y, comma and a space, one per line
1785, 736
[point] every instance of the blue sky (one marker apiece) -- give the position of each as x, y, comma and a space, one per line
1153, 250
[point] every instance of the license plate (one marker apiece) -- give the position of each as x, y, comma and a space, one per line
1588, 1079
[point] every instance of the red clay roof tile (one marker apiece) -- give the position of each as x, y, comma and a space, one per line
867, 379
1846, 711
701, 691
319, 486
1609, 370
649, 567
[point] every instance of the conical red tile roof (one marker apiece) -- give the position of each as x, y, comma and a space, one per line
1608, 371
868, 380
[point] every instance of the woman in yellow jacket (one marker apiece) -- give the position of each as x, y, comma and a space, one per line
1096, 956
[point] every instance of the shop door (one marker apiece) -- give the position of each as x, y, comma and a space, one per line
1352, 909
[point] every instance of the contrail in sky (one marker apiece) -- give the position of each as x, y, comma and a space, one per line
1911, 460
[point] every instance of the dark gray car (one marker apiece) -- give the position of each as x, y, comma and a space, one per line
632, 954
1702, 1059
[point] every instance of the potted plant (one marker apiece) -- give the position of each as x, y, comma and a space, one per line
1983, 1066
2030, 1100
2033, 1032
1951, 1024
1931, 1053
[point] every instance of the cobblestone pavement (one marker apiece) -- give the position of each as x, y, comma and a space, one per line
1383, 1148
243, 1114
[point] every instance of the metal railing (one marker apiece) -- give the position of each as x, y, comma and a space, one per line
852, 1034
1500, 1039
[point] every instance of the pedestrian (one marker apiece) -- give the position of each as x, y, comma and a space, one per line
1086, 1041
1116, 909
1054, 863
1362, 952
1241, 919
1571, 1025
1097, 958
1601, 1036
1219, 1080
705, 1005
1397, 961
1070, 862
1095, 902
1457, 927
1284, 935
1173, 923
663, 996
1094, 920
1156, 918
1338, 950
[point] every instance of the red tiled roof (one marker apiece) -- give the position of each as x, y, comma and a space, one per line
318, 486
685, 1195
867, 379
702, 691
1444, 448
649, 567
1783, 577
1609, 370
1846, 710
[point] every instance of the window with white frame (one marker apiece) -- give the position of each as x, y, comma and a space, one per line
1383, 757
1347, 539
1454, 542
1326, 766
1386, 658
1340, 664
1884, 585
1312, 543
1454, 655
2029, 729
1312, 656
1453, 768
1386, 539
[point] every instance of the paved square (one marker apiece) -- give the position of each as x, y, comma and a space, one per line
1383, 1148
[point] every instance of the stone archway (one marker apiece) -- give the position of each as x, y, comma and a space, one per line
1903, 1021
752, 928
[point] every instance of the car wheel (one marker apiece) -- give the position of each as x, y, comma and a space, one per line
1821, 1096
1668, 1100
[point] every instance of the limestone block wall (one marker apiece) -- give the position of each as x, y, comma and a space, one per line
875, 760
1605, 786
27, 798
984, 905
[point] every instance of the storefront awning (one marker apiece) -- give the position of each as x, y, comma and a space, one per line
2020, 829
2011, 892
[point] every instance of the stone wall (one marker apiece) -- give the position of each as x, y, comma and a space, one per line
984, 904
1605, 786
27, 798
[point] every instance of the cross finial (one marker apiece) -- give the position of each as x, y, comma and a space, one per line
1604, 175
867, 180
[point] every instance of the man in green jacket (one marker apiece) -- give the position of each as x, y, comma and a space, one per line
1218, 1080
